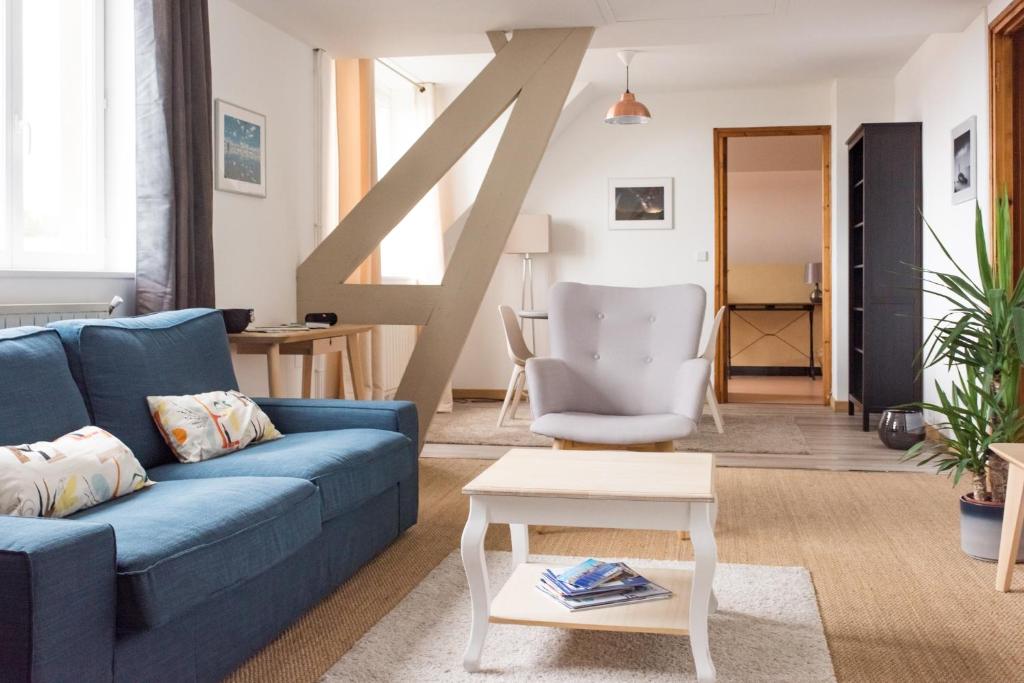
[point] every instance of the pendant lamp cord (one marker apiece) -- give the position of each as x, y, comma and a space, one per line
627, 78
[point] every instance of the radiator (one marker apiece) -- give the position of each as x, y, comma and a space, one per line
392, 348
16, 315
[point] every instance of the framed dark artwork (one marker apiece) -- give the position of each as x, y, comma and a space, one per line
965, 161
640, 204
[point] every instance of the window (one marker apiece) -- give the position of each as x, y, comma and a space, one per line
67, 191
412, 252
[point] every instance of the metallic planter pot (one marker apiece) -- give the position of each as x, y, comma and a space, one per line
900, 428
980, 527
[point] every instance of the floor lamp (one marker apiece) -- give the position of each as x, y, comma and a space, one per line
529, 236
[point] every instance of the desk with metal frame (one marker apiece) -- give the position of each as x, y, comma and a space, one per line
808, 308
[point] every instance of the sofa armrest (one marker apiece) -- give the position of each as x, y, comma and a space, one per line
292, 415
552, 386
58, 596
691, 386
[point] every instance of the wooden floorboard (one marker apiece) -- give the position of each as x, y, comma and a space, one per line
835, 440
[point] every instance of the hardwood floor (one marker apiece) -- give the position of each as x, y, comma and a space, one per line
835, 439
790, 390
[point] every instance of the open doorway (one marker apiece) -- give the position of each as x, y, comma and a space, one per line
772, 254
1006, 88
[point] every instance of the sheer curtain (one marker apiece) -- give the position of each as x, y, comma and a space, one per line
357, 172
174, 155
413, 252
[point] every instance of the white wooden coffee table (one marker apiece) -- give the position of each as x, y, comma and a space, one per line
607, 489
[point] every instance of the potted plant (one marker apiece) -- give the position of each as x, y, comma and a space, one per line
981, 340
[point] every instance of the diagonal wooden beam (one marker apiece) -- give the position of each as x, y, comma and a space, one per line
377, 304
535, 69
498, 40
437, 150
501, 196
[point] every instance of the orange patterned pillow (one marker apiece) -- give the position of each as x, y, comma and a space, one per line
205, 426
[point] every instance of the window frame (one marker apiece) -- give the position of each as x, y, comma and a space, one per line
99, 252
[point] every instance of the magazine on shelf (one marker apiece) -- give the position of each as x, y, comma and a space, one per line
592, 584
625, 579
590, 573
651, 591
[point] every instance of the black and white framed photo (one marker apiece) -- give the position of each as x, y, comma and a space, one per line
241, 149
965, 161
640, 203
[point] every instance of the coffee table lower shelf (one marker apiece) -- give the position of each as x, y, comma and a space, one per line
519, 602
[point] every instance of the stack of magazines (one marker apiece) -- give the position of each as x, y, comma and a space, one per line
592, 584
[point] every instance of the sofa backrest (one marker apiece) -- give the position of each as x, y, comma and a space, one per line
625, 344
39, 400
117, 363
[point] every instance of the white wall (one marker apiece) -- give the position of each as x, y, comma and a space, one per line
571, 186
853, 101
259, 242
944, 83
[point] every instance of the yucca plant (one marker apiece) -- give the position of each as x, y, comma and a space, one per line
981, 340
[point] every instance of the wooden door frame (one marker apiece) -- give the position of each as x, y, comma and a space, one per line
722, 136
1005, 140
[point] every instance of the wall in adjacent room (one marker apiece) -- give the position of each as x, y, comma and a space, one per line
774, 216
259, 242
571, 186
944, 83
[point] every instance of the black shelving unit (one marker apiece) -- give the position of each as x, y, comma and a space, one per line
884, 247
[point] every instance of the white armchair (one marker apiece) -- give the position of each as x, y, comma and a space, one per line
624, 370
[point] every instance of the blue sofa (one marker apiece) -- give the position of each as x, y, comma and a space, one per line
186, 579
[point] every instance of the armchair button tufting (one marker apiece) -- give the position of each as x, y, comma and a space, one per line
648, 359
600, 316
652, 318
597, 356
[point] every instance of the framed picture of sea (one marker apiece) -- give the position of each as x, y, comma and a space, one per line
240, 138
640, 203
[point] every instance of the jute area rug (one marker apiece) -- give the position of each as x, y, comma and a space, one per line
767, 629
475, 423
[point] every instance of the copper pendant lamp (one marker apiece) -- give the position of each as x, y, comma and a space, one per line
627, 110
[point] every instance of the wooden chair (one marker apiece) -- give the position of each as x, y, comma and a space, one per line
709, 354
518, 353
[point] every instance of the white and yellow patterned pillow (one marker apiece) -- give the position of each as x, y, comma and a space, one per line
205, 426
77, 471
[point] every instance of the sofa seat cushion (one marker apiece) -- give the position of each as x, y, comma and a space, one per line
614, 429
349, 466
181, 542
39, 397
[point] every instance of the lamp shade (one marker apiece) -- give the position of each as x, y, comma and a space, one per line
812, 273
529, 234
627, 111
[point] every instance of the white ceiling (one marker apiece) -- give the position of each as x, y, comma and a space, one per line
775, 153
685, 44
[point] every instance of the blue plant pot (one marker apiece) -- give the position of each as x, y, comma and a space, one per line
981, 525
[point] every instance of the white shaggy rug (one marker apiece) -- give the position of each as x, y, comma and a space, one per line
767, 629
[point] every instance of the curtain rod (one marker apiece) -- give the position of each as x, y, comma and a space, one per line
419, 86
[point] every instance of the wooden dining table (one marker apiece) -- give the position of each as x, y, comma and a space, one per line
1013, 513
307, 343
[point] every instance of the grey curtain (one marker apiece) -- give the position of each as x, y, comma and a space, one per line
174, 155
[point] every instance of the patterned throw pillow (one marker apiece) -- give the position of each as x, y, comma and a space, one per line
77, 471
205, 426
